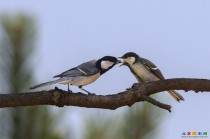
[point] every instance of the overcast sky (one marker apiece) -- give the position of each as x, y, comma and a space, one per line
174, 34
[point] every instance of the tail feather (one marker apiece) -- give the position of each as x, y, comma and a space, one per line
176, 95
47, 83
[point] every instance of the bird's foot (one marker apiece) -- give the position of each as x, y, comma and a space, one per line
89, 93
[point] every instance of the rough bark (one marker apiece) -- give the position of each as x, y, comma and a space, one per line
137, 93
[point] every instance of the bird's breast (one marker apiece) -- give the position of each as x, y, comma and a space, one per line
81, 80
142, 73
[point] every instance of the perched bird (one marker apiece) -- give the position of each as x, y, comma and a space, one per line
84, 74
145, 71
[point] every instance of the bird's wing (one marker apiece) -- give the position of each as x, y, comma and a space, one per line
87, 68
152, 67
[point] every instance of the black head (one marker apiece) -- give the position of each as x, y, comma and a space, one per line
130, 54
130, 58
106, 63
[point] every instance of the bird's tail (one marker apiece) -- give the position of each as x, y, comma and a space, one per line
48, 83
176, 95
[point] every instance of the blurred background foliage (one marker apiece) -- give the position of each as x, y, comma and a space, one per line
17, 50
137, 122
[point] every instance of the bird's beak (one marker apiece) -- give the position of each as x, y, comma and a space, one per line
121, 60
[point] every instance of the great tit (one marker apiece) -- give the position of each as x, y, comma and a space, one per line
145, 71
84, 74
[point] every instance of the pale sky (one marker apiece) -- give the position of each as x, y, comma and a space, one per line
174, 34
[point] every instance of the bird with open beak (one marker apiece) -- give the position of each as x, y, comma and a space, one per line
145, 71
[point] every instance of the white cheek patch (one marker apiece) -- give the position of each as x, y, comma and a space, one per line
131, 60
106, 64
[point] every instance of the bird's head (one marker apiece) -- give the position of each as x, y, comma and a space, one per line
106, 63
129, 58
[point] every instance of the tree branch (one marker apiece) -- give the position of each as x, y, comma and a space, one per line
137, 93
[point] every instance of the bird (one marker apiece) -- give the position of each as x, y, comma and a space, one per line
84, 74
145, 71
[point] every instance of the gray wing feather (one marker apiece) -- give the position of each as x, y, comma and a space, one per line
152, 67
87, 68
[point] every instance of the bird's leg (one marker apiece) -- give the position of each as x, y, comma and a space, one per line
80, 87
69, 89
